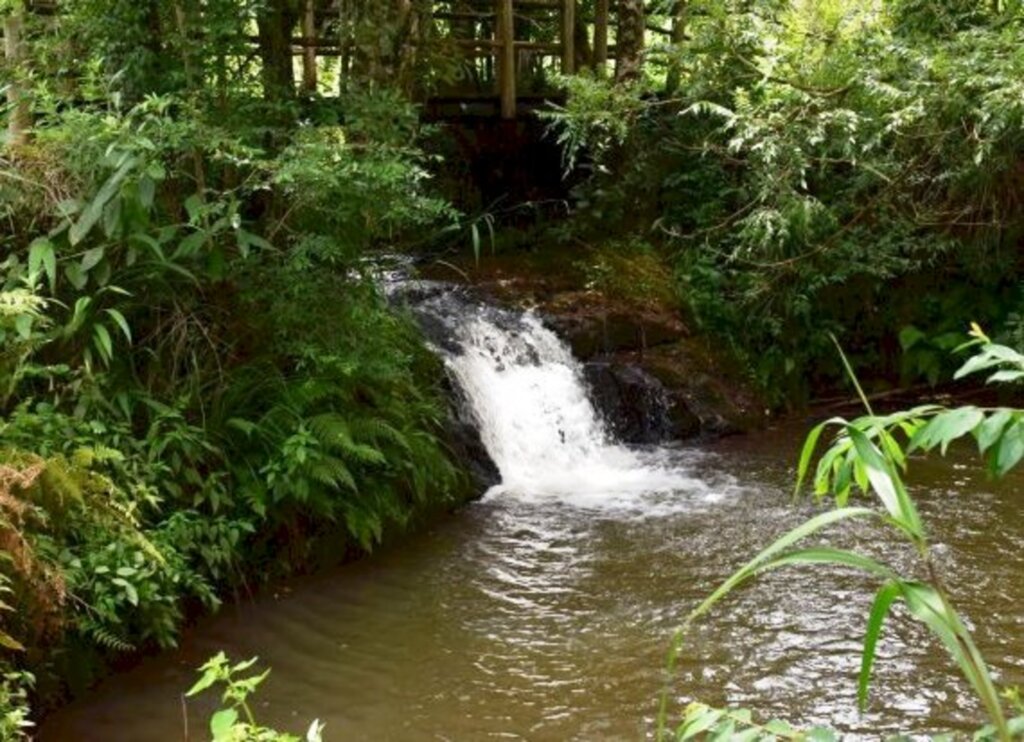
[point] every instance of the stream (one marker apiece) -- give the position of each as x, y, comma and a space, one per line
545, 610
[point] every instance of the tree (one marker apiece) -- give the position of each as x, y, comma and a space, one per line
276, 20
632, 24
20, 116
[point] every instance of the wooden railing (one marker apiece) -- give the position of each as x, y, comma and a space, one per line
502, 36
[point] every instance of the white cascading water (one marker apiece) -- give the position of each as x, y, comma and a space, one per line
528, 396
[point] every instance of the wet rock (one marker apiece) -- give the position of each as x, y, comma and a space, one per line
701, 382
637, 406
466, 444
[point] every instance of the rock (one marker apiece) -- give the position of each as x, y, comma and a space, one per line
636, 405
466, 444
594, 329
700, 381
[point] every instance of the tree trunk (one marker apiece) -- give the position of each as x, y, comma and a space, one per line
309, 33
584, 52
675, 70
20, 115
630, 45
276, 20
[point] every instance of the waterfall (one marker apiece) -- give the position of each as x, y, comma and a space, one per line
527, 396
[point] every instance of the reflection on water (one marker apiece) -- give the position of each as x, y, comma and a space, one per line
545, 611
534, 619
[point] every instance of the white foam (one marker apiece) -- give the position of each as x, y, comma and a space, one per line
537, 422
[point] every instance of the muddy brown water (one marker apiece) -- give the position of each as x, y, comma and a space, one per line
531, 620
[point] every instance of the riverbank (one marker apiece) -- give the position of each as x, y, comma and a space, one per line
549, 619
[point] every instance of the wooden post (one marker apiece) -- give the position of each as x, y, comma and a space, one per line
506, 36
568, 37
600, 36
309, 71
20, 116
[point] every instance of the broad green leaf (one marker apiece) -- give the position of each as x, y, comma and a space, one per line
73, 272
887, 485
990, 430
147, 191
191, 245
779, 727
91, 258
820, 734
221, 724
92, 213
9, 642
194, 206
23, 325
910, 336
1011, 448
959, 423
702, 722
1005, 377
41, 254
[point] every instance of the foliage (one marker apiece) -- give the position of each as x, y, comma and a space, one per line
236, 722
14, 709
870, 455
632, 272
812, 157
200, 383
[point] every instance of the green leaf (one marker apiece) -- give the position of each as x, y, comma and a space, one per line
928, 606
1005, 377
147, 191
41, 254
910, 336
702, 722
91, 258
991, 430
105, 346
887, 594
9, 642
1011, 449
194, 206
887, 484
92, 213
23, 325
73, 272
191, 244
784, 542
808, 451
222, 723
121, 322
828, 555
779, 727
112, 218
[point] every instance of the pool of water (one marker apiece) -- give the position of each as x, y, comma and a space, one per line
548, 618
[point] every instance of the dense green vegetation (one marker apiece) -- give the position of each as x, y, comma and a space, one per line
809, 168
201, 386
869, 456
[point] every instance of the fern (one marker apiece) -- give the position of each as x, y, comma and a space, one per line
106, 638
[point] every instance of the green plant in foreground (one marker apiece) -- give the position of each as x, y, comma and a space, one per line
870, 454
236, 722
